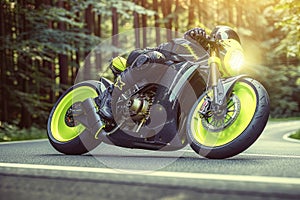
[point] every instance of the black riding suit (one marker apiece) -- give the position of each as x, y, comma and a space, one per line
175, 51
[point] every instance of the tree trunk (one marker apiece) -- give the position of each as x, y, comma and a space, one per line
167, 10
205, 15
239, 16
78, 53
50, 66
199, 10
3, 91
98, 26
144, 24
136, 26
62, 58
115, 29
89, 19
23, 63
38, 3
156, 24
99, 34
191, 14
89, 26
230, 14
41, 65
214, 12
176, 20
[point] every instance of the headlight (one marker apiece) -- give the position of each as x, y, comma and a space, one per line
233, 58
236, 60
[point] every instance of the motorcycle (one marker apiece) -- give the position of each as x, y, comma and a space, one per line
203, 103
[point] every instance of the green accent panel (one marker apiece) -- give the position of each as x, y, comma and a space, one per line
190, 49
60, 131
119, 63
248, 103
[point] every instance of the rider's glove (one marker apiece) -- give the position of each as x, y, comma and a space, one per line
156, 57
198, 35
149, 57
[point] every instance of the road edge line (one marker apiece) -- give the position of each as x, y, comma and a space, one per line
286, 137
23, 141
164, 174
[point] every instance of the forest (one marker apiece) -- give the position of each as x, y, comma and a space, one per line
43, 44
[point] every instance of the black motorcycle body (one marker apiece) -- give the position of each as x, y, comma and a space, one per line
160, 107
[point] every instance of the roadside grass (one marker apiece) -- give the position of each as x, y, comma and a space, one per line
9, 132
296, 135
284, 119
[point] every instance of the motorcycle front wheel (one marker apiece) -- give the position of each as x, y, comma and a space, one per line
246, 116
64, 133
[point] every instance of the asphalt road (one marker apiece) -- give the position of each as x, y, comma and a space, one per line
269, 169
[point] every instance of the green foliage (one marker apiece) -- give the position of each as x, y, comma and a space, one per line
36, 34
289, 24
126, 8
46, 13
281, 84
10, 132
276, 52
40, 41
296, 135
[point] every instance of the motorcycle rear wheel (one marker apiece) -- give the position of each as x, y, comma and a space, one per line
241, 128
64, 134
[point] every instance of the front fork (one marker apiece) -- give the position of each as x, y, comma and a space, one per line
218, 101
219, 89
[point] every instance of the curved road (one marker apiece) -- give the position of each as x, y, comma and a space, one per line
269, 169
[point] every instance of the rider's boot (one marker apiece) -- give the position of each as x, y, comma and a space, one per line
104, 103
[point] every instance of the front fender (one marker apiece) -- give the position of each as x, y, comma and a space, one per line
230, 82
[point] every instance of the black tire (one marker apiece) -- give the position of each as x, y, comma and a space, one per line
63, 137
244, 138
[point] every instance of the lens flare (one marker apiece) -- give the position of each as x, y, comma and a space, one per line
236, 60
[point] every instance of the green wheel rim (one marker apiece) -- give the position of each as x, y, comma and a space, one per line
60, 131
248, 102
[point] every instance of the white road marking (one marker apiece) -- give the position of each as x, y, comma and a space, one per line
165, 174
23, 141
270, 155
254, 154
287, 137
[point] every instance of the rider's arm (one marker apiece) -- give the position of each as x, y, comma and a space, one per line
140, 57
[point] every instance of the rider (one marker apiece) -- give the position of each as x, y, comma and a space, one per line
176, 50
